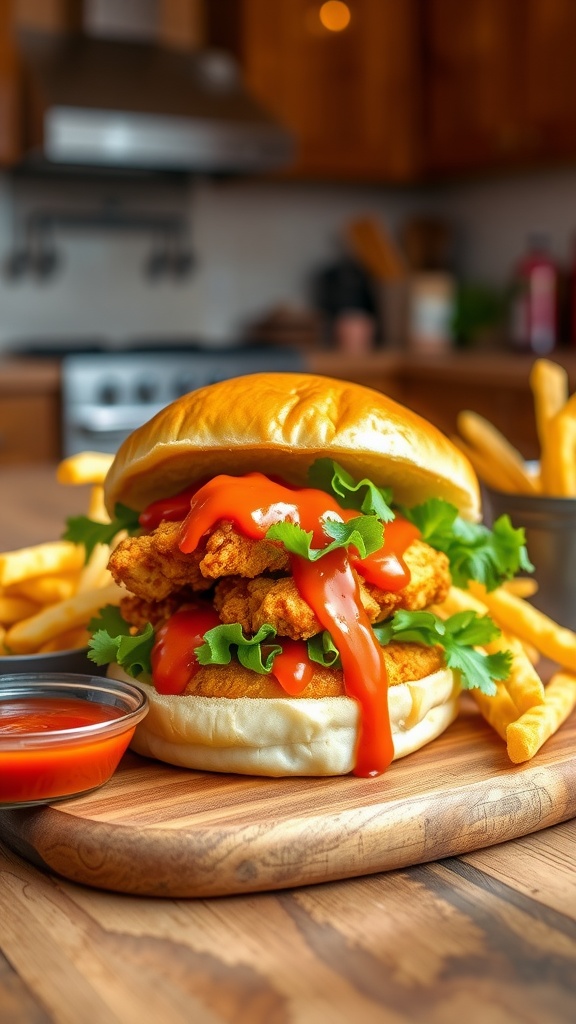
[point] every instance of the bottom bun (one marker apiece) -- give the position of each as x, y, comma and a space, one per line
285, 736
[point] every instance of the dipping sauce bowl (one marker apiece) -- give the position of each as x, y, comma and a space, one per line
62, 734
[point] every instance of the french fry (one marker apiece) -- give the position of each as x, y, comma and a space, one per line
523, 685
499, 711
67, 641
558, 461
96, 507
522, 619
492, 473
549, 386
491, 443
95, 574
51, 557
525, 737
29, 635
14, 608
46, 589
84, 468
522, 586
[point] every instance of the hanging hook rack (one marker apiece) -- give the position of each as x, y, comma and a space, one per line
171, 253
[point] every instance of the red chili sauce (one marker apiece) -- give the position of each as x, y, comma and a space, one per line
64, 765
254, 502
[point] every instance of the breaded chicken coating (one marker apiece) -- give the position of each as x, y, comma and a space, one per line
229, 553
430, 582
404, 663
137, 612
152, 565
277, 602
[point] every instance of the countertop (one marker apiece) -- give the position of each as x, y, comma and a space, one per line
486, 936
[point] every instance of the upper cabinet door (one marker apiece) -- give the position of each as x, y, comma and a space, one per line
351, 97
500, 83
473, 55
550, 79
10, 131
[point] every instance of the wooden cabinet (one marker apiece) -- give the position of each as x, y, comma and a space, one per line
500, 83
10, 141
29, 412
351, 97
409, 90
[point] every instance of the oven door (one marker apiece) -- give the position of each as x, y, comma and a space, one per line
107, 395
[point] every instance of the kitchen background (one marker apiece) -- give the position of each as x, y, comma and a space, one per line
447, 129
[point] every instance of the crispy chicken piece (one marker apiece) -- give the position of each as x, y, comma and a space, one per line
137, 611
152, 565
429, 583
229, 553
277, 602
234, 681
254, 602
404, 663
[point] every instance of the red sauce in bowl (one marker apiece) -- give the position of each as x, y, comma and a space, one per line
57, 745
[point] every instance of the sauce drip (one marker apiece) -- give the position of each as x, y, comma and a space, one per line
254, 503
292, 667
173, 657
173, 508
61, 767
330, 588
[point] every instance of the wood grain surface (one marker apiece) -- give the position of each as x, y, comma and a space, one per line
162, 831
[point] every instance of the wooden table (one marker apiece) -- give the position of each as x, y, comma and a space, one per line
490, 936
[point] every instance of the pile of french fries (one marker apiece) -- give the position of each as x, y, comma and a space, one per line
502, 467
48, 592
525, 712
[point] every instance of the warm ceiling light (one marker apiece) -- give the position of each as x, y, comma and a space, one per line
335, 15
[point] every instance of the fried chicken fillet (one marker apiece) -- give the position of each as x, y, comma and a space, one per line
250, 584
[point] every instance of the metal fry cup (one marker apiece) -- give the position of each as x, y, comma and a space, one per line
550, 528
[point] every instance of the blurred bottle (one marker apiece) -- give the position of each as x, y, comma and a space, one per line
569, 319
534, 326
429, 244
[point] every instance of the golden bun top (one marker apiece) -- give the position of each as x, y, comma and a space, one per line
278, 424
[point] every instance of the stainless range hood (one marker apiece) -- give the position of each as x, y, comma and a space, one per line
108, 103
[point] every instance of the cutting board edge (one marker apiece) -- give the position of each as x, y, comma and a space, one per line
103, 855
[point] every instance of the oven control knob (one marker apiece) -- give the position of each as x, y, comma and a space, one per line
109, 394
145, 391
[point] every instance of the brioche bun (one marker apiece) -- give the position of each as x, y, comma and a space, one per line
285, 736
279, 423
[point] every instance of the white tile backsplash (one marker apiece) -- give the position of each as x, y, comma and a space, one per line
257, 245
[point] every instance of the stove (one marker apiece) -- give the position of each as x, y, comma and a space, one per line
107, 394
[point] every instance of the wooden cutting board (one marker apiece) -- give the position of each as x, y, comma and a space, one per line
161, 831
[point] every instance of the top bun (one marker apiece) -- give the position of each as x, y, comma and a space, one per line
278, 424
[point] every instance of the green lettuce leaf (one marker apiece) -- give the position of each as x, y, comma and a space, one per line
364, 496
89, 532
112, 642
459, 635
474, 551
222, 643
365, 533
323, 651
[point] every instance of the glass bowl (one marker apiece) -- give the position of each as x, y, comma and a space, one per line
62, 734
